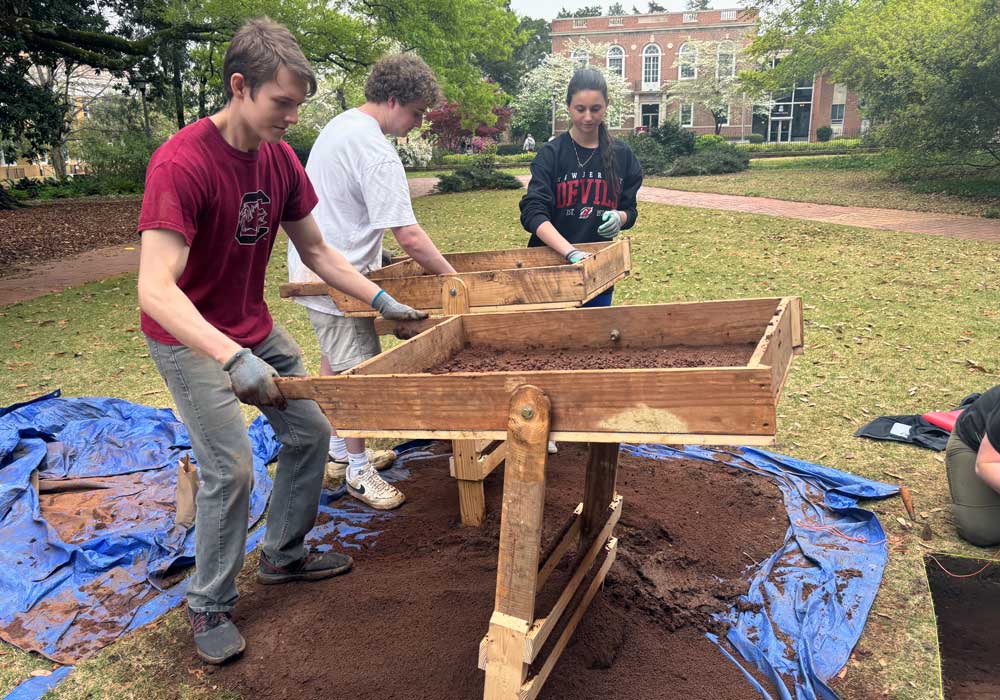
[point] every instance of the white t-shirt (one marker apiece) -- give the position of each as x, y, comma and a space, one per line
362, 191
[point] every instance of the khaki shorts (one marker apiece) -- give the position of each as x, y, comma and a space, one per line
345, 342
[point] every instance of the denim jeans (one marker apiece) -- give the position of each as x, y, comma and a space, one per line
210, 410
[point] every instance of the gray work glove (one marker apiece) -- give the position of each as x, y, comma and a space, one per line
386, 257
612, 225
394, 311
253, 380
574, 256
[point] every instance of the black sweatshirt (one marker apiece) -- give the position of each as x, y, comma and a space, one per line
574, 198
979, 419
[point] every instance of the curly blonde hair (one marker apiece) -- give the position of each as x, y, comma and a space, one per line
404, 76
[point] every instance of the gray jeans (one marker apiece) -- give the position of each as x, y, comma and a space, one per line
975, 506
211, 412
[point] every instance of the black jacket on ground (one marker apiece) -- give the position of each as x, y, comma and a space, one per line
574, 198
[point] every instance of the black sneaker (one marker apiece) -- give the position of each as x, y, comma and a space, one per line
313, 567
215, 636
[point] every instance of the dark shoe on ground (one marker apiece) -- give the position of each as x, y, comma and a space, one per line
215, 636
313, 567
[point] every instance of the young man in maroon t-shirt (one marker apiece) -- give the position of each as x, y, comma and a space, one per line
216, 193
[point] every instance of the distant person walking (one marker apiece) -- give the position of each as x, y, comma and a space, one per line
529, 144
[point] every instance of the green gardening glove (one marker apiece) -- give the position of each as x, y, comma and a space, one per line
612, 225
574, 256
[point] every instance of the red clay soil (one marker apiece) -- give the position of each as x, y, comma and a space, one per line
490, 359
407, 621
968, 616
44, 232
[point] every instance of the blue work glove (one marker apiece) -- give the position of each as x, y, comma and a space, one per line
394, 311
253, 380
612, 225
574, 256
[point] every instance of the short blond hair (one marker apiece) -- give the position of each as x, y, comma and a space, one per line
404, 76
258, 50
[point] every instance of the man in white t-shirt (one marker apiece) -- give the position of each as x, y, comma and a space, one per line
362, 191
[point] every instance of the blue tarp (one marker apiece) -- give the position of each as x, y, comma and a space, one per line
808, 602
68, 598
72, 598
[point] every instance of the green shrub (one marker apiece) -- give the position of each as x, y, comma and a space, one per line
824, 134
992, 213
756, 138
481, 175
509, 149
469, 158
301, 139
651, 155
714, 161
674, 140
707, 141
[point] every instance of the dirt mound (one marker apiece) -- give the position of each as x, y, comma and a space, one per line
407, 622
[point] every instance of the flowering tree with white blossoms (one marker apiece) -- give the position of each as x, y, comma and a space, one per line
533, 103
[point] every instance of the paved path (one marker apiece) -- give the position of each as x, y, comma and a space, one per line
109, 262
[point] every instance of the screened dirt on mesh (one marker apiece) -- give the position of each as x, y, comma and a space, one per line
407, 621
490, 359
968, 616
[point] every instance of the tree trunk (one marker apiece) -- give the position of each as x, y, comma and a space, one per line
202, 90
58, 162
177, 85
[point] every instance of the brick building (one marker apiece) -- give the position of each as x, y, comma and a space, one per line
645, 50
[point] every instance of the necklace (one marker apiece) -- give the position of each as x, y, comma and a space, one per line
577, 154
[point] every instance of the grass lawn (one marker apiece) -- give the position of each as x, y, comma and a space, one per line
895, 324
855, 180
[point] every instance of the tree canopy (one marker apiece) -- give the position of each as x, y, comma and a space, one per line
927, 73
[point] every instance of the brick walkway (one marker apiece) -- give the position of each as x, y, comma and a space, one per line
109, 262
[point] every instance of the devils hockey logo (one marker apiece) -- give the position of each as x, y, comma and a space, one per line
585, 212
253, 224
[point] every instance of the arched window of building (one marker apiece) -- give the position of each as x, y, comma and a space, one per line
651, 67
616, 60
687, 61
725, 66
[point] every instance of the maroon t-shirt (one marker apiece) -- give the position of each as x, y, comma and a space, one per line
227, 204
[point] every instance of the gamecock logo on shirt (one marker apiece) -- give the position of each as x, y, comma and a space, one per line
253, 223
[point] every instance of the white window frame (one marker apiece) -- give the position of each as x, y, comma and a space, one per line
680, 114
620, 55
718, 58
689, 62
648, 55
690, 17
729, 14
843, 110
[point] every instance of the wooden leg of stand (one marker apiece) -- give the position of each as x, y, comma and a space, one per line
598, 489
520, 541
468, 474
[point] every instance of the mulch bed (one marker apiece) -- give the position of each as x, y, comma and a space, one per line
407, 621
51, 231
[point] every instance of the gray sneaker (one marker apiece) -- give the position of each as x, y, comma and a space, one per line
312, 567
215, 636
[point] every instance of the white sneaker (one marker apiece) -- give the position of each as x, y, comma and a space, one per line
552, 447
368, 487
336, 469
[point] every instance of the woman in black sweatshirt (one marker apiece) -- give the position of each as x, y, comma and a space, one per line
583, 182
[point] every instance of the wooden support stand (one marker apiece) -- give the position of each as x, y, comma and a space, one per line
472, 460
516, 637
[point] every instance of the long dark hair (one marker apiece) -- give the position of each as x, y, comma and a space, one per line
591, 79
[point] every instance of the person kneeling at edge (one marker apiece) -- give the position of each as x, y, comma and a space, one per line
216, 193
363, 191
973, 465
